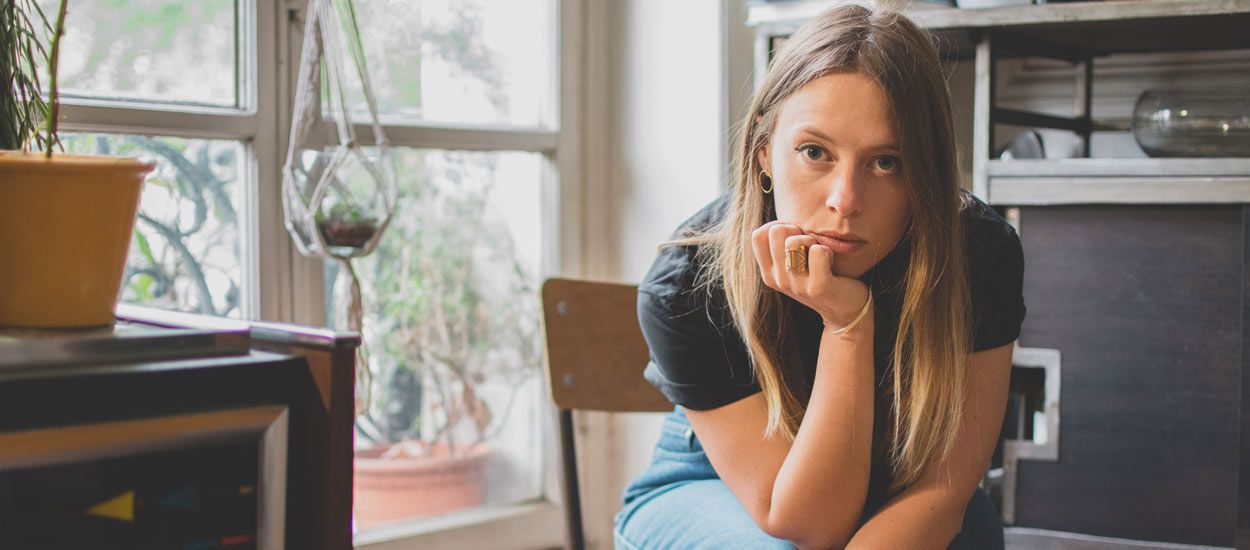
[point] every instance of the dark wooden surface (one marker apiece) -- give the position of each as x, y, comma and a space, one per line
329, 433
1146, 304
1243, 469
86, 393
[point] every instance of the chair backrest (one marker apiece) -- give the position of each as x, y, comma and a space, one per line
595, 349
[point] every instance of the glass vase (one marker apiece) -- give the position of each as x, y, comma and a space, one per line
1209, 123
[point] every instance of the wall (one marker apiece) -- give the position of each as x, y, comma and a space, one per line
654, 121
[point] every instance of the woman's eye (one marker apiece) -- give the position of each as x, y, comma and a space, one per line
812, 152
887, 164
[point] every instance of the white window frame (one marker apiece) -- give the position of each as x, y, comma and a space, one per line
538, 523
281, 285
265, 267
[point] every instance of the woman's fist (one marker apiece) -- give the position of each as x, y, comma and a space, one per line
837, 299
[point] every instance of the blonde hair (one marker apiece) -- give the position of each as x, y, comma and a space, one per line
934, 334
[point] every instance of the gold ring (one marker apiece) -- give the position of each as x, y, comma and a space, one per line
796, 259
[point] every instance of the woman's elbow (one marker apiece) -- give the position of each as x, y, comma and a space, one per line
813, 539
806, 532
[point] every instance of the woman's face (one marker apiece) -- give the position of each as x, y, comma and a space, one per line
837, 170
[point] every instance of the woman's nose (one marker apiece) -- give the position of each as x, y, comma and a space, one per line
844, 191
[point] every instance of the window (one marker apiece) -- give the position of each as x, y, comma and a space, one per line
462, 62
471, 97
190, 85
155, 51
452, 329
186, 249
455, 417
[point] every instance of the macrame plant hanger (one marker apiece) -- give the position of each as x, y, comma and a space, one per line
338, 196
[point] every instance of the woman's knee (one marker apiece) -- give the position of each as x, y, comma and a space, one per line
695, 514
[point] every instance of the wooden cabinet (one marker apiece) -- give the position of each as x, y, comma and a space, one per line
172, 430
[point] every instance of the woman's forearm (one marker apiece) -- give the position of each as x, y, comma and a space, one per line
820, 489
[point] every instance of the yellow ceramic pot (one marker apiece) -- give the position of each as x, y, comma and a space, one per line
65, 227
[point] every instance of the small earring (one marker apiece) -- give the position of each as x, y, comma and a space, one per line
766, 177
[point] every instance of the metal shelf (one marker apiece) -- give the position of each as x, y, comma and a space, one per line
1096, 167
1042, 191
1121, 12
1073, 30
1080, 28
1118, 181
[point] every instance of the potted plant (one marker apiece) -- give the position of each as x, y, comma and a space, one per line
345, 225
452, 345
65, 220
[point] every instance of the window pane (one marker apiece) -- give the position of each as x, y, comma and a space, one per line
186, 252
460, 61
152, 50
452, 331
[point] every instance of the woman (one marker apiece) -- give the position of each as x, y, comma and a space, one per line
844, 253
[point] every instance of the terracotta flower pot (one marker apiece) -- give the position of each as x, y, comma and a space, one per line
65, 227
388, 490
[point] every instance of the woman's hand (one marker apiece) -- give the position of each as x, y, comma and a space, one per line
837, 299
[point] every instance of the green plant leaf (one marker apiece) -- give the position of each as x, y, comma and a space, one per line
142, 286
144, 247
23, 110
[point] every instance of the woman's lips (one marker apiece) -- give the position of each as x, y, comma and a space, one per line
838, 245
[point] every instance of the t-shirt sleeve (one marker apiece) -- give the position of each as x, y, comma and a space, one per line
697, 362
998, 293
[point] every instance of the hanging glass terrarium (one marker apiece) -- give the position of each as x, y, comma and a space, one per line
338, 193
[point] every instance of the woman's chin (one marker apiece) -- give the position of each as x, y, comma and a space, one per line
849, 271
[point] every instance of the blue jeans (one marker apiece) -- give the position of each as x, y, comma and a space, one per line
680, 502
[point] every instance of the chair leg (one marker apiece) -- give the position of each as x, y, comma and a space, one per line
572, 498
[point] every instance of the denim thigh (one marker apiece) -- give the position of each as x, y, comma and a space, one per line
680, 502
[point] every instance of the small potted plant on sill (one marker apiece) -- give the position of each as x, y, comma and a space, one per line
65, 220
455, 340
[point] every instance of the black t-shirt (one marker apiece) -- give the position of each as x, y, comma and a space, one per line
699, 361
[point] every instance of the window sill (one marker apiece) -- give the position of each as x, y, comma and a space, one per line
535, 524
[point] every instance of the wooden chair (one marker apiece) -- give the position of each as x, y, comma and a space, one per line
595, 358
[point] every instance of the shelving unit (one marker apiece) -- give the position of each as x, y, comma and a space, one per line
1077, 32
1136, 274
